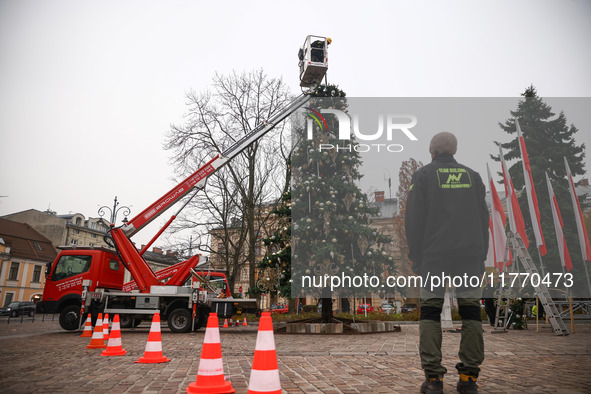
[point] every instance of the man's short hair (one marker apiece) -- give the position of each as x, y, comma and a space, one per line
444, 142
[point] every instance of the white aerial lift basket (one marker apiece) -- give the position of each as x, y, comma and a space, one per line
313, 63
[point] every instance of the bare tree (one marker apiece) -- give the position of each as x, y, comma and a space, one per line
232, 206
407, 169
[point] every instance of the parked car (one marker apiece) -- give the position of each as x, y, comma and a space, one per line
17, 308
280, 308
408, 308
388, 308
362, 308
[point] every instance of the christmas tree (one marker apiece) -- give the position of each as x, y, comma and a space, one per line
276, 265
331, 216
549, 140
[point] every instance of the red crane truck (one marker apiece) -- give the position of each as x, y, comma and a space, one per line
90, 280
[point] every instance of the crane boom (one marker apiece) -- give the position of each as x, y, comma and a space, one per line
199, 177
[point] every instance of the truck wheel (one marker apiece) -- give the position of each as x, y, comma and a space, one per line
179, 320
70, 317
125, 321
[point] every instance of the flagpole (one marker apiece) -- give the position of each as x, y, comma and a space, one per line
581, 231
566, 289
541, 263
587, 274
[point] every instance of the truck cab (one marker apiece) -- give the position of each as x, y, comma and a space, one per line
101, 267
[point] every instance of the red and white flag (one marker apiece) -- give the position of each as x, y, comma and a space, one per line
491, 255
498, 224
516, 222
581, 228
532, 199
558, 226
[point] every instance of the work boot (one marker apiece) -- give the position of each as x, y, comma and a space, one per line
467, 384
432, 385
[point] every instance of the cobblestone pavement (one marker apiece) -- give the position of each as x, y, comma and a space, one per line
40, 357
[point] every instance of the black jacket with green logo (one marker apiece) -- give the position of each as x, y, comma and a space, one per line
446, 217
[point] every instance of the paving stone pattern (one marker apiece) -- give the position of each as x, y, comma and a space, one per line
39, 357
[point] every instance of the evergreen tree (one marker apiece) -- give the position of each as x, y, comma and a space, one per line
331, 215
548, 139
277, 261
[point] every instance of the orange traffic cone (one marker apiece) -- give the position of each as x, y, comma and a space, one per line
225, 323
87, 327
114, 347
231, 322
98, 339
153, 353
106, 327
210, 377
237, 322
264, 375
244, 323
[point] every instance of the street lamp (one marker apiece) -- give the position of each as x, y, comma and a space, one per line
114, 211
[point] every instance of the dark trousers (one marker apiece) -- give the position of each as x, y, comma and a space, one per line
471, 351
491, 310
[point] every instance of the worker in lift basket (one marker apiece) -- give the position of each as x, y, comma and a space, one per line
317, 49
447, 233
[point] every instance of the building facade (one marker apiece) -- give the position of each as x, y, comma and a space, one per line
24, 254
65, 230
229, 247
78, 231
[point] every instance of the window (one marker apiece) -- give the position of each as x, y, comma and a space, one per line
257, 246
36, 274
76, 231
93, 235
37, 246
114, 265
78, 222
93, 225
74, 242
68, 266
13, 274
8, 299
221, 248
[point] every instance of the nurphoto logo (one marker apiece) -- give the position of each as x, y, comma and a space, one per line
392, 125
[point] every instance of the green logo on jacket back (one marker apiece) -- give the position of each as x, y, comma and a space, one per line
454, 178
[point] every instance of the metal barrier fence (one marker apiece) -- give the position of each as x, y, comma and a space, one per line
581, 309
36, 317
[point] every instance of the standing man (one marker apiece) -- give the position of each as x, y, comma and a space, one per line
447, 234
490, 308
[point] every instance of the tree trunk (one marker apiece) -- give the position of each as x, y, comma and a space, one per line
327, 310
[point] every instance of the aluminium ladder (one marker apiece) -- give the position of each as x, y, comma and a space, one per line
542, 292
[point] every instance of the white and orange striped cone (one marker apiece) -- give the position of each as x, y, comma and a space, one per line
244, 323
98, 339
237, 322
106, 326
87, 333
114, 347
225, 323
153, 353
264, 375
210, 377
231, 322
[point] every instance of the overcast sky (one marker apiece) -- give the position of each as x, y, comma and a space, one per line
89, 89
